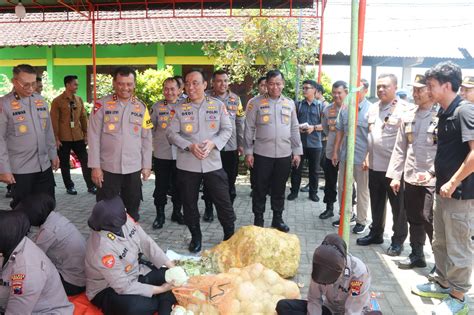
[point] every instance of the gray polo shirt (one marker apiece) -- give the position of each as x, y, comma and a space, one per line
328, 121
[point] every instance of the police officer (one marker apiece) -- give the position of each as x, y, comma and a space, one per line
28, 153
339, 93
59, 239
200, 128
342, 279
271, 120
69, 119
234, 147
33, 281
384, 120
309, 113
120, 143
119, 279
164, 154
413, 157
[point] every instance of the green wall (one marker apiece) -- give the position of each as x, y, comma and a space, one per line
81, 71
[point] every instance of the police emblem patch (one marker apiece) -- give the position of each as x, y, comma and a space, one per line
355, 287
188, 128
108, 261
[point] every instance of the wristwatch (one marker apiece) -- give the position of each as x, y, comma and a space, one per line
186, 149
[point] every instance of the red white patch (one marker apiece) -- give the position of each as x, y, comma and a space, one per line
128, 268
97, 106
355, 287
108, 261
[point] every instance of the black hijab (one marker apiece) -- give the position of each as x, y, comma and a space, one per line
108, 215
37, 208
329, 260
13, 228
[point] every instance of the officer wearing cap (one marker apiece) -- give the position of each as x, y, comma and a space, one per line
33, 283
234, 147
413, 157
271, 120
342, 279
164, 154
120, 143
28, 153
200, 128
119, 279
384, 120
467, 89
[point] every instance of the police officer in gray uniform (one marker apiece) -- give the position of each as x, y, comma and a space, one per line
59, 239
119, 279
413, 157
33, 282
120, 143
200, 128
164, 154
234, 147
342, 279
272, 121
28, 153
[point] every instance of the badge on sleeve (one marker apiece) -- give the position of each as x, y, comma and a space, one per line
17, 283
97, 106
108, 261
355, 287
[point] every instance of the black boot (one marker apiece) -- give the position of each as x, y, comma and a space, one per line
196, 238
328, 213
228, 231
278, 223
160, 217
177, 216
415, 259
258, 219
208, 211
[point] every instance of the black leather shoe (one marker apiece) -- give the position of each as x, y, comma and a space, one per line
328, 213
71, 191
92, 190
278, 223
412, 261
195, 246
395, 250
196, 239
292, 196
228, 231
177, 217
258, 220
160, 218
157, 224
314, 197
369, 239
208, 212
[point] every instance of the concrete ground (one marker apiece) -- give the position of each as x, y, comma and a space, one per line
390, 284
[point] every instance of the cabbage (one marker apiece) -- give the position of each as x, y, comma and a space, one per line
176, 275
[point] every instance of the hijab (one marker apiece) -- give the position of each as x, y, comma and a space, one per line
108, 215
13, 228
37, 208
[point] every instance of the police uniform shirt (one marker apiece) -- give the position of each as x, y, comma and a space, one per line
112, 260
161, 114
119, 136
329, 120
362, 131
194, 123
415, 147
65, 246
455, 130
384, 121
237, 118
274, 124
34, 283
27, 143
349, 295
311, 114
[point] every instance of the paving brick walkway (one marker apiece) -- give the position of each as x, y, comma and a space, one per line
391, 284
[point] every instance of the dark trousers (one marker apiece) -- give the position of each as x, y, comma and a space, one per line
70, 288
216, 184
32, 183
418, 202
313, 156
230, 164
112, 303
273, 173
165, 178
330, 177
296, 307
127, 186
64, 152
379, 187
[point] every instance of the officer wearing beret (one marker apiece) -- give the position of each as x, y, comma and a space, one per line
342, 279
271, 120
120, 143
200, 128
28, 153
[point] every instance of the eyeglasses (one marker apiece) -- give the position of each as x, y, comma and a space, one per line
26, 86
